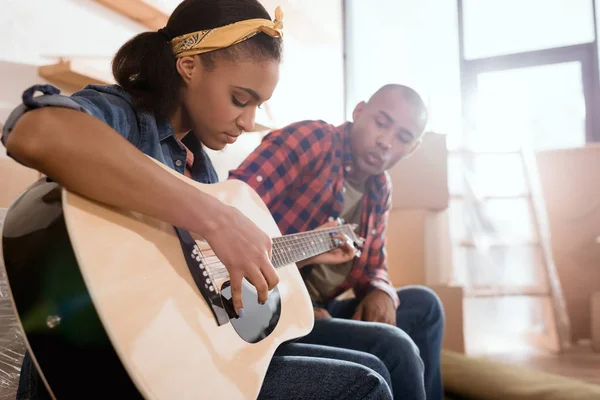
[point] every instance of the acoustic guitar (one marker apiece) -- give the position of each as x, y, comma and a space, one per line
115, 304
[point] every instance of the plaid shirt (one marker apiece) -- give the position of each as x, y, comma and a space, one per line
299, 172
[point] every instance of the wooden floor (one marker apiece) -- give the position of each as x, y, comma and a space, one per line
494, 335
579, 362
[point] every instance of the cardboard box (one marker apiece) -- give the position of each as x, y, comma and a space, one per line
595, 317
421, 180
452, 300
419, 247
571, 191
420, 253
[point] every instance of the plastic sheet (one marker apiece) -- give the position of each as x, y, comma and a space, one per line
12, 345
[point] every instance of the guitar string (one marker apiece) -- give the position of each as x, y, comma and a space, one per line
218, 270
287, 246
284, 243
298, 244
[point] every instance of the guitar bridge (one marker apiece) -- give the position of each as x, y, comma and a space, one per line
207, 288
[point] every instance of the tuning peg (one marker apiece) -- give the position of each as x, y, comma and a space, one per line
359, 241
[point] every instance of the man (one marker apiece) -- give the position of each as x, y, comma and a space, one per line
311, 172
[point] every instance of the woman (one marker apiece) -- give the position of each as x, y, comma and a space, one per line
180, 89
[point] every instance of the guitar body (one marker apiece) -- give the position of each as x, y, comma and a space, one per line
95, 286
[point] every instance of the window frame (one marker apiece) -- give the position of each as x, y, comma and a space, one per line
586, 54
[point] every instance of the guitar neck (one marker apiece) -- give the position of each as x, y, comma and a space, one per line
301, 246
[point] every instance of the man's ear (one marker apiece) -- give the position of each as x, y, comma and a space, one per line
358, 110
188, 67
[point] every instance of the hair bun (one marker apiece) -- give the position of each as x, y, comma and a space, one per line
164, 32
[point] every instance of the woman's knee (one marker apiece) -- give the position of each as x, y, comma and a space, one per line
372, 385
336, 353
314, 377
374, 363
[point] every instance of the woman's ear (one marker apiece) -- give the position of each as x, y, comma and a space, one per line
189, 68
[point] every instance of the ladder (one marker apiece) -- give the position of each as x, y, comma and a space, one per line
486, 240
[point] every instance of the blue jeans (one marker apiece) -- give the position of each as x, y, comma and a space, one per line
297, 371
420, 318
305, 371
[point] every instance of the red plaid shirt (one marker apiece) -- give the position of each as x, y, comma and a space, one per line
299, 172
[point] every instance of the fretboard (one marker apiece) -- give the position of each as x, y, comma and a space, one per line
300, 246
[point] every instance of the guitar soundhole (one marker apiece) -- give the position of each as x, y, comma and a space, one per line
259, 320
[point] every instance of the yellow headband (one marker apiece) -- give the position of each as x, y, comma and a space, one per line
225, 36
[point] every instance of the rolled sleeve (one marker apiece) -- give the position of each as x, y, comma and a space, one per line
111, 109
50, 97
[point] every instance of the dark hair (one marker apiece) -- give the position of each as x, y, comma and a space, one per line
145, 66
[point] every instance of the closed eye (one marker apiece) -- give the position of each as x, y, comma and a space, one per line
380, 124
238, 103
405, 137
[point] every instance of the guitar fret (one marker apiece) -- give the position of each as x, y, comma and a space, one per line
286, 255
304, 249
300, 246
276, 257
291, 247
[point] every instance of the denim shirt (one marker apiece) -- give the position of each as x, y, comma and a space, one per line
112, 105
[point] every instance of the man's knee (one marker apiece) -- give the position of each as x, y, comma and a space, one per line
398, 344
426, 300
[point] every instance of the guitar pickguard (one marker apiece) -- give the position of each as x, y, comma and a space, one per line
259, 319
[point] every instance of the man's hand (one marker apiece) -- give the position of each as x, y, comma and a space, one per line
377, 306
321, 313
344, 252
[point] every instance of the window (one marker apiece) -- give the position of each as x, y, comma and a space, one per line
542, 106
411, 43
496, 27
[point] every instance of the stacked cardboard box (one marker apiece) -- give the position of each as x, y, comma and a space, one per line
571, 192
419, 246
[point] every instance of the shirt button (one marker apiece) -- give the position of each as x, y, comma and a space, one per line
259, 178
348, 168
179, 163
374, 231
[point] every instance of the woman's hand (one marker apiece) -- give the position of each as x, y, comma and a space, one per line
245, 251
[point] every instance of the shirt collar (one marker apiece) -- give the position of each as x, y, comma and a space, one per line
344, 131
165, 130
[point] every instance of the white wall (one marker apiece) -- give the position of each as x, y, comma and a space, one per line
32, 31
311, 84
35, 32
409, 42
